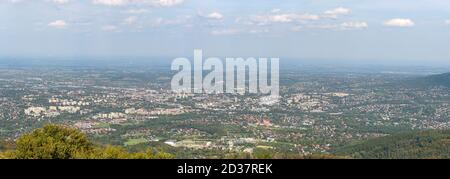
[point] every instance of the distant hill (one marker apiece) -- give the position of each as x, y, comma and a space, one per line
439, 80
412, 145
431, 81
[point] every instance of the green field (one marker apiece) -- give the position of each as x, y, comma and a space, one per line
131, 142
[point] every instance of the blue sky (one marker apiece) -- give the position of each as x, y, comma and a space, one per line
365, 30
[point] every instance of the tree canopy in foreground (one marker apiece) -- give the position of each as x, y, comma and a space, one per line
59, 142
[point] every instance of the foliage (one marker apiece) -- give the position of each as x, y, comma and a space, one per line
58, 142
52, 142
114, 152
270, 154
423, 144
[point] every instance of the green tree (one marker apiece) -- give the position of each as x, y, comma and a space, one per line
52, 142
59, 142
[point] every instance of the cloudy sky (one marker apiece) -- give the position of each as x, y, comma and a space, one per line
398, 30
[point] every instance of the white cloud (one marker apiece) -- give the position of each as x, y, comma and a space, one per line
167, 3
179, 20
60, 24
399, 23
158, 3
15, 1
258, 31
111, 2
351, 25
283, 18
52, 1
447, 22
225, 32
354, 25
308, 17
61, 1
324, 26
336, 12
214, 15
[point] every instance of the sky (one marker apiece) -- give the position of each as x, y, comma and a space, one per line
401, 31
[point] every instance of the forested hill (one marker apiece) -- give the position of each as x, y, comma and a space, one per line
442, 80
412, 145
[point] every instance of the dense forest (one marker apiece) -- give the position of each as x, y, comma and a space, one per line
432, 144
439, 80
